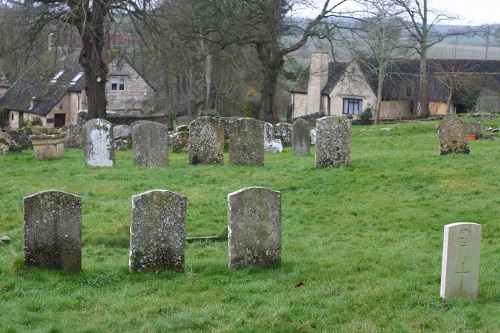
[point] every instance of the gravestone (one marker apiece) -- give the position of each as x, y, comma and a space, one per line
157, 231
268, 132
73, 136
333, 141
283, 131
150, 145
453, 136
274, 146
122, 131
475, 128
53, 230
180, 142
254, 228
206, 141
301, 139
313, 136
460, 265
246, 141
98, 147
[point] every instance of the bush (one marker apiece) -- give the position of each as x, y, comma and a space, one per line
365, 118
210, 113
36, 122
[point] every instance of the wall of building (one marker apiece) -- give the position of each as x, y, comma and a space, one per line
137, 98
299, 104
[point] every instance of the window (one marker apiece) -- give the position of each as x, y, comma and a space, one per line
57, 76
352, 106
76, 78
117, 84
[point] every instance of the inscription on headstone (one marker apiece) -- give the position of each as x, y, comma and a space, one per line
150, 144
453, 136
206, 141
157, 231
246, 141
333, 141
254, 228
460, 265
53, 230
98, 147
301, 139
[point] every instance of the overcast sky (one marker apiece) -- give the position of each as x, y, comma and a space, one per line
471, 12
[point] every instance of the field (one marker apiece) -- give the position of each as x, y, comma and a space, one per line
364, 240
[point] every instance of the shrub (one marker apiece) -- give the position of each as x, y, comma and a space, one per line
210, 113
365, 118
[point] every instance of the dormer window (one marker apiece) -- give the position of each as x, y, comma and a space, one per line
76, 78
117, 84
57, 76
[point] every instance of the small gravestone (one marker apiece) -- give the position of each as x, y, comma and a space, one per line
150, 145
474, 128
283, 131
246, 141
157, 231
53, 230
460, 265
98, 147
206, 141
312, 135
180, 142
333, 141
274, 146
73, 136
254, 228
453, 136
301, 139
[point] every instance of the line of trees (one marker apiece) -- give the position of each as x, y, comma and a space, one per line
208, 54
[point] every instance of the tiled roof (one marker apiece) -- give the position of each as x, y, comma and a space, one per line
41, 86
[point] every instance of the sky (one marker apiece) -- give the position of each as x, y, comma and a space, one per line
471, 12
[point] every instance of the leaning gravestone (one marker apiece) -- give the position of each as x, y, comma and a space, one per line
333, 141
246, 141
98, 147
157, 231
301, 139
254, 228
453, 136
150, 144
206, 141
460, 265
53, 230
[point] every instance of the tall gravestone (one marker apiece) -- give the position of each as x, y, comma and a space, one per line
254, 228
460, 265
150, 144
206, 141
98, 146
453, 134
246, 141
333, 141
301, 138
157, 231
53, 230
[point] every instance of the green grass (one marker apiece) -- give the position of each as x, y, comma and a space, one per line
366, 241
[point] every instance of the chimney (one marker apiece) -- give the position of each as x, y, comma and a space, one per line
52, 41
318, 77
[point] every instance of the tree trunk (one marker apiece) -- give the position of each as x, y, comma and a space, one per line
272, 63
381, 77
91, 59
209, 71
423, 84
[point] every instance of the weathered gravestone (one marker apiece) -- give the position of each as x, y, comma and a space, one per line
98, 147
274, 146
150, 144
283, 131
53, 230
460, 265
254, 228
180, 142
48, 142
333, 141
453, 136
475, 128
268, 132
157, 231
73, 136
206, 141
301, 139
246, 141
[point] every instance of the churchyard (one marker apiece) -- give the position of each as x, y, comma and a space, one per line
361, 243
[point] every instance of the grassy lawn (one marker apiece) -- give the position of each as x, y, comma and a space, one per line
365, 241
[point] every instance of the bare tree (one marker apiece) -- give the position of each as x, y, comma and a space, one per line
421, 24
90, 20
374, 41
